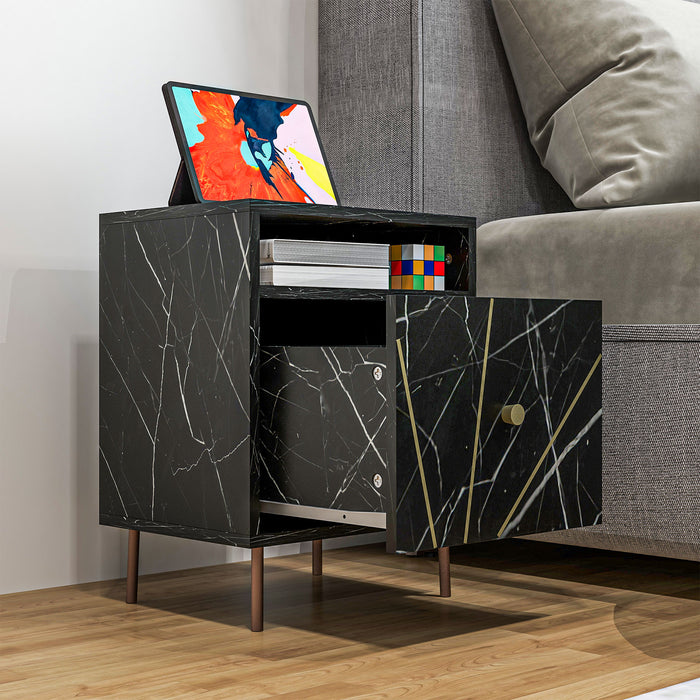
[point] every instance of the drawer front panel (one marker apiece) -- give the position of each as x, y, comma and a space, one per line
463, 474
324, 427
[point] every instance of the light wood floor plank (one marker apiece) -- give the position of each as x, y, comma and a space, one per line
526, 620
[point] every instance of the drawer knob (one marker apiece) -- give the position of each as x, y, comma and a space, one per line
513, 414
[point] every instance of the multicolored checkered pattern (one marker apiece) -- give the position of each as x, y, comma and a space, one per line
416, 266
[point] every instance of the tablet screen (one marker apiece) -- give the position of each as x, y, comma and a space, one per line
242, 146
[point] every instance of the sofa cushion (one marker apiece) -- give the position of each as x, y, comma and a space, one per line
611, 93
643, 262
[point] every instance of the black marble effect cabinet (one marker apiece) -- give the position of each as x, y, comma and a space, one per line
251, 415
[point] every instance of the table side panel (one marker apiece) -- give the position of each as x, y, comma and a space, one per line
174, 371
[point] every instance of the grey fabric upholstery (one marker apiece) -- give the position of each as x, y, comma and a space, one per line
651, 489
643, 262
417, 111
365, 100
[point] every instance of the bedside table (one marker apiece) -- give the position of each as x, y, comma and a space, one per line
253, 416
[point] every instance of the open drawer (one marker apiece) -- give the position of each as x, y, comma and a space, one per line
473, 419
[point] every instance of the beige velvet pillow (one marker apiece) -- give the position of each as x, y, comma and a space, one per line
611, 93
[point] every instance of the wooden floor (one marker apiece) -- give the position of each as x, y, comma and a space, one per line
526, 620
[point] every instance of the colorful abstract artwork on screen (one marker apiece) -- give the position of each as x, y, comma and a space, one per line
249, 148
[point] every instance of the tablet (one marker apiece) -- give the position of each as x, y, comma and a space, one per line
236, 145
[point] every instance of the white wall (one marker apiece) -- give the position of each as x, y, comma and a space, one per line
84, 130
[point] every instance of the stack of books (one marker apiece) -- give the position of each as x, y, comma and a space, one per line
294, 263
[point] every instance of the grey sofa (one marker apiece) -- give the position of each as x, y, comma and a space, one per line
418, 111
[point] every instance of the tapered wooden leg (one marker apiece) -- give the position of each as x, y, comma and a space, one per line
444, 564
256, 589
317, 557
132, 567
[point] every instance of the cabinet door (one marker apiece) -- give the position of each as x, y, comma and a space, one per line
462, 473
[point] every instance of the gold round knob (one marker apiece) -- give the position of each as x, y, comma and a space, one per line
513, 414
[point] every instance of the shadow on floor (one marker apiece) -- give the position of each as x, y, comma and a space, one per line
384, 616
595, 567
553, 562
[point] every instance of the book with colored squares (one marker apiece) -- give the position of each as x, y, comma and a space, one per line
417, 266
237, 145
